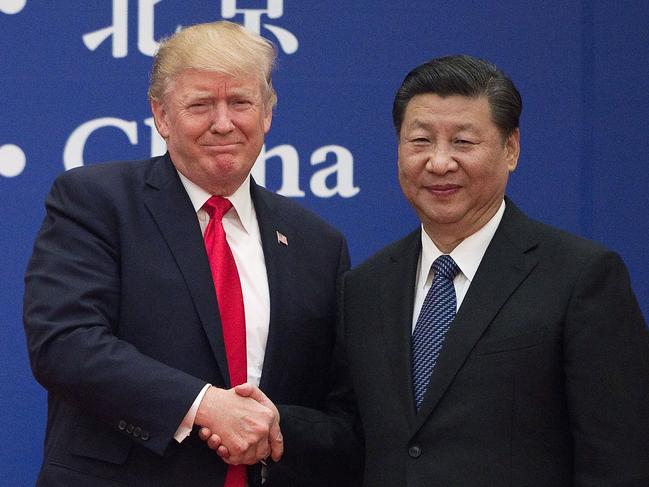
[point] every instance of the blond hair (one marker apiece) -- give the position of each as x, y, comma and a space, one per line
222, 47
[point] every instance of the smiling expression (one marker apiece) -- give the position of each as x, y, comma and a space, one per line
214, 126
453, 164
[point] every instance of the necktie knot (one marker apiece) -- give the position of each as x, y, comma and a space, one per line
445, 267
217, 206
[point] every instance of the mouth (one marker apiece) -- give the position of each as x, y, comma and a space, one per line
443, 190
221, 147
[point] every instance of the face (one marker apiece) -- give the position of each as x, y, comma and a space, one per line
214, 126
453, 164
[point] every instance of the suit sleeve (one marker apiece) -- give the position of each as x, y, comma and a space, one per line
325, 446
71, 318
606, 354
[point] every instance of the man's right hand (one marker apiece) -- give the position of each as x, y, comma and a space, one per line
242, 424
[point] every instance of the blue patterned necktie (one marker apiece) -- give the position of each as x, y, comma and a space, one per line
433, 322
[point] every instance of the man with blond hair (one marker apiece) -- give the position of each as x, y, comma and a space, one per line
157, 286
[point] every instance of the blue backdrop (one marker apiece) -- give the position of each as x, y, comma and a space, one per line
73, 78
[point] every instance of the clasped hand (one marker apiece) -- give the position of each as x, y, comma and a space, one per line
241, 424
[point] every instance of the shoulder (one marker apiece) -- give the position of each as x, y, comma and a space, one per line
106, 174
403, 251
99, 192
107, 181
557, 251
524, 232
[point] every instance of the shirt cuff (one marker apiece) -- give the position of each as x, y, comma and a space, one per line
187, 424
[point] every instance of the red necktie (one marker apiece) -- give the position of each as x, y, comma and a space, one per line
230, 300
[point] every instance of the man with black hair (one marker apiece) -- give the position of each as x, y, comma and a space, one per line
485, 348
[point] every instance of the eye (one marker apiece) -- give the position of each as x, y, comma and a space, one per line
419, 140
197, 106
241, 102
463, 142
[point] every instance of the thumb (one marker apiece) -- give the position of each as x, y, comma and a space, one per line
249, 390
245, 390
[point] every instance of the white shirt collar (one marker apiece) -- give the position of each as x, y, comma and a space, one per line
240, 199
468, 254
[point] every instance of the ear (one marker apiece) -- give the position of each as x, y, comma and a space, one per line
268, 118
513, 149
160, 118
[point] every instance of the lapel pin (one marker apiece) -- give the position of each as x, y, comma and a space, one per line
281, 238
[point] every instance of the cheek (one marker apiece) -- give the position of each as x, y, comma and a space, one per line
407, 179
256, 129
187, 121
488, 178
499, 171
401, 168
411, 166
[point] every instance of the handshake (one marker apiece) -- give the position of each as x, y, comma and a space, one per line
241, 424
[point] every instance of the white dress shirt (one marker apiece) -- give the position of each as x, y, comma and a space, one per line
467, 255
244, 238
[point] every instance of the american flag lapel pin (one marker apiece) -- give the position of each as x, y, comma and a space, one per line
281, 238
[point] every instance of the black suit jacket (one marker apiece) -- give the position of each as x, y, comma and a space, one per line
543, 379
123, 326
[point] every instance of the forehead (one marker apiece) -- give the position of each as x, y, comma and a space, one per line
198, 82
430, 108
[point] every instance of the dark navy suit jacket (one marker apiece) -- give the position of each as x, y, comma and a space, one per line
123, 326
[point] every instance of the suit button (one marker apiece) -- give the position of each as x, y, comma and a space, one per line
130, 428
414, 451
122, 425
137, 432
144, 436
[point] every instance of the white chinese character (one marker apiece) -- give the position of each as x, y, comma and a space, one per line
119, 29
11, 7
252, 21
12, 160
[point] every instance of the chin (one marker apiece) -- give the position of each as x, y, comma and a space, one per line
441, 218
224, 159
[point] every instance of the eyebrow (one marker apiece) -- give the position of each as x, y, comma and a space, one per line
418, 123
199, 95
466, 126
242, 92
206, 95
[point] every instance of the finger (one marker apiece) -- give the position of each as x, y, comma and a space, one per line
245, 458
223, 452
214, 441
253, 454
261, 452
276, 444
204, 433
253, 392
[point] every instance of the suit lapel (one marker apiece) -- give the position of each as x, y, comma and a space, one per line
279, 264
395, 314
171, 208
504, 266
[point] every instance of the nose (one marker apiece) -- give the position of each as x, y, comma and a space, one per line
441, 160
221, 120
